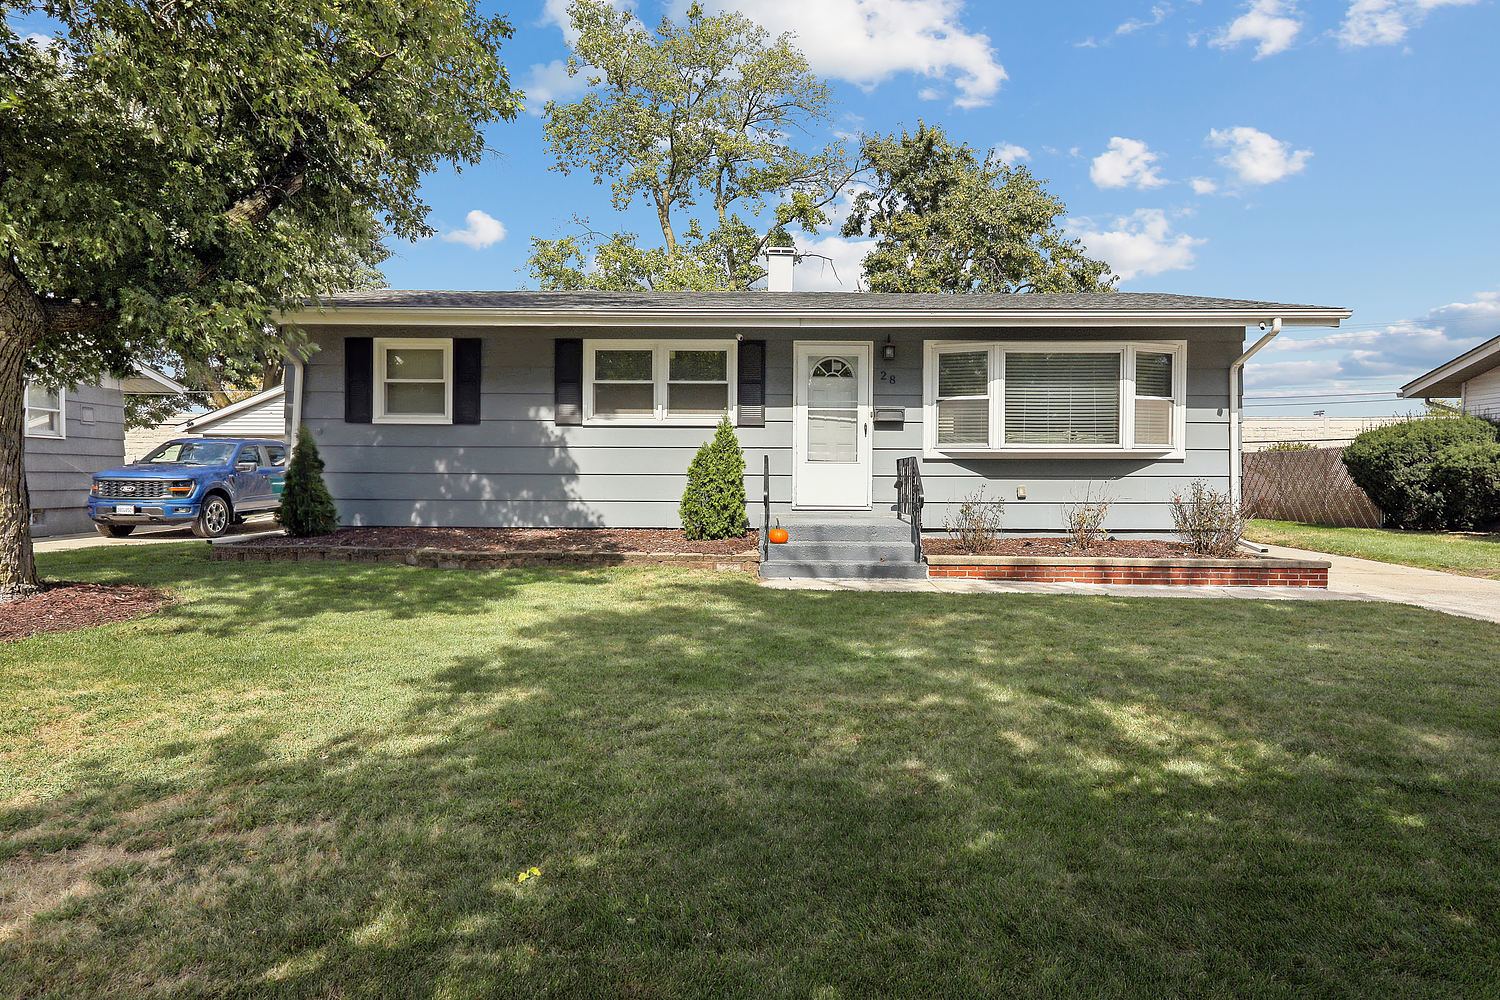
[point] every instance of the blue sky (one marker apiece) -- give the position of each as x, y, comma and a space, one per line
1338, 153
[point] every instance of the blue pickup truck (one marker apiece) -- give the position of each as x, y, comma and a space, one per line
209, 483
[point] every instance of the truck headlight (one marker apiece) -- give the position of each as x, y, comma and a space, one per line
182, 489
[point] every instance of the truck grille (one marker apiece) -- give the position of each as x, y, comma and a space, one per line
131, 489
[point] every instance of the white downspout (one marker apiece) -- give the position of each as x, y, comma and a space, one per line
1236, 390
299, 368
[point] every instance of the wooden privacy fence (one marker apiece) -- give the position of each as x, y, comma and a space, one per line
1308, 486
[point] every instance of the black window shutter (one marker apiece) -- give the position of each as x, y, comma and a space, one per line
359, 379
751, 390
466, 352
567, 381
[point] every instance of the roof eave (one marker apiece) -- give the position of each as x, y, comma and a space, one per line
793, 318
1448, 379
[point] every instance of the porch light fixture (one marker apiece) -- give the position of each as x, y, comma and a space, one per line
888, 351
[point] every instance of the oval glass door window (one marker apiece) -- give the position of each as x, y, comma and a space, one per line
833, 411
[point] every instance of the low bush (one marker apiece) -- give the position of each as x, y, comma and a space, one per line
306, 506
1208, 522
1085, 517
713, 505
976, 523
1395, 465
1468, 477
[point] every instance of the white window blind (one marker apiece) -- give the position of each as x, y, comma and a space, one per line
44, 412
1062, 399
1153, 398
963, 398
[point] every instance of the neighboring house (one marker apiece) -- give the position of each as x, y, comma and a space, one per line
585, 408
262, 415
71, 433
1473, 377
1319, 432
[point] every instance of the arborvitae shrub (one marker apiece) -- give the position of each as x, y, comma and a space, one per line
713, 505
1395, 467
306, 507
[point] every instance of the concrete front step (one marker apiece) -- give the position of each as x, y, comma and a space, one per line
839, 570
889, 531
857, 551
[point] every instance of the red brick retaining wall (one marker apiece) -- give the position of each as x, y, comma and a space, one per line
1184, 572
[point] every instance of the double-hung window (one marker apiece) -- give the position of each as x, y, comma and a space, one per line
634, 381
1055, 398
413, 381
44, 412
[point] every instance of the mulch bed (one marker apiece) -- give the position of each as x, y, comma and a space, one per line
67, 607
1108, 549
518, 540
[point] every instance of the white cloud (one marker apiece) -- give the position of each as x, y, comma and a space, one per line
1141, 243
929, 94
1271, 24
1386, 22
1158, 15
1011, 154
480, 231
551, 82
1126, 163
1384, 357
868, 41
1255, 157
1204, 185
840, 272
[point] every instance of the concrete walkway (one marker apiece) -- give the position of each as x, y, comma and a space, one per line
147, 536
1465, 596
1349, 579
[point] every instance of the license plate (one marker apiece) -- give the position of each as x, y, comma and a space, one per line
124, 508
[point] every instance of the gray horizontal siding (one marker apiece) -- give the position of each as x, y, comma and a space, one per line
59, 470
517, 467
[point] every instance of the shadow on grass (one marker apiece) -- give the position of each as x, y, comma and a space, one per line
731, 791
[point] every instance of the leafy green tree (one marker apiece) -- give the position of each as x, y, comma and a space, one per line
713, 505
306, 505
172, 174
693, 115
947, 221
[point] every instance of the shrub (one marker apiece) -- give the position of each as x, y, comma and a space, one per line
976, 524
1208, 522
1288, 446
1394, 466
1085, 517
713, 505
306, 507
1468, 477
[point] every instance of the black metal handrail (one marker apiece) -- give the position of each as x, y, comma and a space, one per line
765, 516
909, 499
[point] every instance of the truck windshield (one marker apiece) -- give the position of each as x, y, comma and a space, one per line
192, 453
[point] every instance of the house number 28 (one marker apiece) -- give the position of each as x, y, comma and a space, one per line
887, 377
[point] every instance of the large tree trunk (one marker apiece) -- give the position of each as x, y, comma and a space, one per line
22, 323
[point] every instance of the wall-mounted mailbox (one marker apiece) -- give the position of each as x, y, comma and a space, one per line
890, 414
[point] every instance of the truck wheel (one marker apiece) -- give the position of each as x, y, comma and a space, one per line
115, 530
213, 518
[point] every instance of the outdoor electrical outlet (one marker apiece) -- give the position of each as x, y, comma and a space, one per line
1020, 493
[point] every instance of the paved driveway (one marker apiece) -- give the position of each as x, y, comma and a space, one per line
148, 536
1466, 596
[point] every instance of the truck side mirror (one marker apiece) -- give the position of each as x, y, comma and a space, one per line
246, 465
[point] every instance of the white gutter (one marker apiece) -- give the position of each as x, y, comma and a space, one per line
1236, 392
363, 315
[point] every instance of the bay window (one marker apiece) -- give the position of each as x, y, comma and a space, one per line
683, 382
1055, 399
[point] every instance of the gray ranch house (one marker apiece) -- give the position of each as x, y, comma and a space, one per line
577, 409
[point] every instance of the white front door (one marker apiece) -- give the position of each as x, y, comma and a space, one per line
831, 425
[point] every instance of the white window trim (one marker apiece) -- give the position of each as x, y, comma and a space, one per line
660, 369
61, 411
996, 446
384, 344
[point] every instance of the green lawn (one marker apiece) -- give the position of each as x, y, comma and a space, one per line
323, 780
1468, 554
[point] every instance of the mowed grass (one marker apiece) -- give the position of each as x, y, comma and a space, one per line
1451, 552
325, 780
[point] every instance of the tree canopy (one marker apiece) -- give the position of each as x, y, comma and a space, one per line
694, 117
172, 174
947, 221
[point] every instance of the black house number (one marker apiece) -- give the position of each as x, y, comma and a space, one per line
887, 377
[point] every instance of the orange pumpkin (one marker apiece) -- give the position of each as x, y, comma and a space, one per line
779, 535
